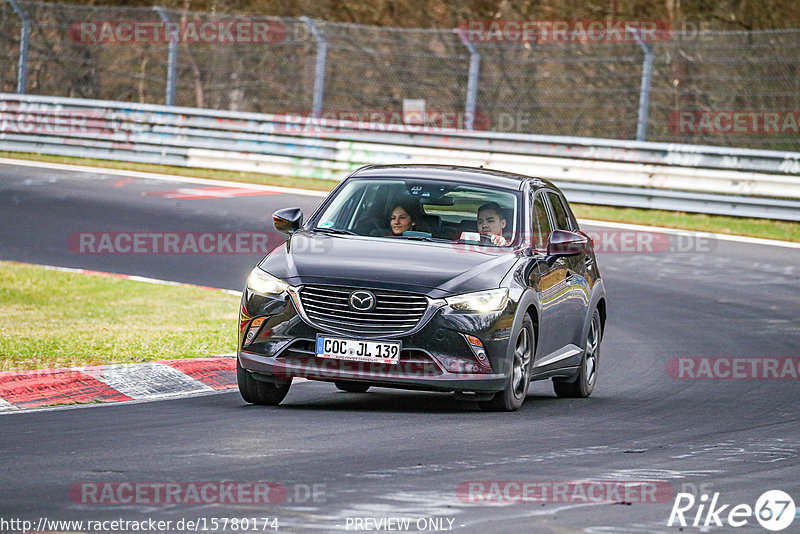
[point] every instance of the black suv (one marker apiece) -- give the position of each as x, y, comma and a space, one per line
426, 277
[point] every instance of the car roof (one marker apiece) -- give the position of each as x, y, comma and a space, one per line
452, 173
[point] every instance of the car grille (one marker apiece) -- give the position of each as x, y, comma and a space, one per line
394, 312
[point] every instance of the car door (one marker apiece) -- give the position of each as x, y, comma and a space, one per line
550, 283
578, 290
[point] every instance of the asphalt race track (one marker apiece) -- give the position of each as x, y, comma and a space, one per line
389, 454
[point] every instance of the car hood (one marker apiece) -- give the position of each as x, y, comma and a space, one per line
435, 269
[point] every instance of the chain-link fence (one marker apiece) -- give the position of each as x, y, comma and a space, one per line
718, 88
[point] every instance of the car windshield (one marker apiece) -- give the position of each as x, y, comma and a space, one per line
424, 210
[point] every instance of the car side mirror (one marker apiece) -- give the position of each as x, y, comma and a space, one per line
288, 220
566, 243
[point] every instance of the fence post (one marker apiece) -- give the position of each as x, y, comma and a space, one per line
644, 91
472, 81
24, 36
172, 58
319, 71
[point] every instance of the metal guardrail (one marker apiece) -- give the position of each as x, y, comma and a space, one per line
684, 83
706, 179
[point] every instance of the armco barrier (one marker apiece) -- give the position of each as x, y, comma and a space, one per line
707, 179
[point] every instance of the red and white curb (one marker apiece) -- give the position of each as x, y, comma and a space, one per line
162, 177
116, 382
296, 191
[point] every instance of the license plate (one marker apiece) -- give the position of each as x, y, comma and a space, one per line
357, 350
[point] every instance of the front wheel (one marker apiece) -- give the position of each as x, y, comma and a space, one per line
258, 392
512, 397
583, 385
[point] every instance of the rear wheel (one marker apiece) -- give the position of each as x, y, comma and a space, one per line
512, 397
258, 392
583, 385
351, 387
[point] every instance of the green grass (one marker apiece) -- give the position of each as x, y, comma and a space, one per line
720, 224
54, 319
768, 229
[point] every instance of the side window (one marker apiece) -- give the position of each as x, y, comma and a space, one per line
541, 225
563, 221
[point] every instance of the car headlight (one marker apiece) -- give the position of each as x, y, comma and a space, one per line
262, 282
480, 301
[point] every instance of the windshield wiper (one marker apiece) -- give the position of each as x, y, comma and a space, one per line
334, 231
424, 238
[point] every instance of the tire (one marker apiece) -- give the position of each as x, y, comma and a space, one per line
258, 392
512, 397
583, 385
351, 387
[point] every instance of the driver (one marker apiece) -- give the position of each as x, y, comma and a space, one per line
491, 223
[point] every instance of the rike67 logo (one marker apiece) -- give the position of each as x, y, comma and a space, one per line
774, 510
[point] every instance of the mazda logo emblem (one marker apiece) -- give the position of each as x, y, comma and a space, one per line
362, 300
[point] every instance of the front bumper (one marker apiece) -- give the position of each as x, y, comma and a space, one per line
435, 356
